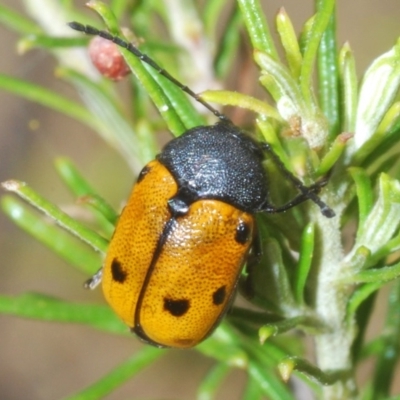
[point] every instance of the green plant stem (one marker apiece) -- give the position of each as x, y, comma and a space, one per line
333, 349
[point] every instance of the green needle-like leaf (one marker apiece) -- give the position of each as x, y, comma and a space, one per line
141, 359
303, 366
82, 189
318, 28
257, 27
229, 44
112, 122
105, 12
308, 323
52, 236
289, 42
378, 90
285, 82
383, 275
305, 271
364, 195
170, 101
388, 358
224, 346
212, 382
279, 292
228, 98
359, 296
270, 385
328, 77
17, 22
49, 42
336, 150
383, 219
211, 14
62, 219
252, 390
304, 265
349, 88
46, 308
47, 98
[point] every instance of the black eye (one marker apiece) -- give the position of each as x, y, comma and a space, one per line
118, 273
177, 308
219, 295
146, 169
243, 231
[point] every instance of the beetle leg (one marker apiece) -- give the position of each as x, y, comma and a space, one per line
313, 189
307, 192
246, 286
95, 280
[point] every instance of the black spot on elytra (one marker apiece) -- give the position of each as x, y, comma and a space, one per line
177, 308
118, 273
242, 233
146, 169
219, 295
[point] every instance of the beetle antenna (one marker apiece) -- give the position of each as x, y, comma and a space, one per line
90, 30
307, 192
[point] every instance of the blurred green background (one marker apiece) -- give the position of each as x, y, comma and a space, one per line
47, 360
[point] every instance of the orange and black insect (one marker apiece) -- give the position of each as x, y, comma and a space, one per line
178, 249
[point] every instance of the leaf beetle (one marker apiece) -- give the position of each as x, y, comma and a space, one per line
174, 260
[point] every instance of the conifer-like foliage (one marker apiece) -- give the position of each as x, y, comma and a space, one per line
322, 121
